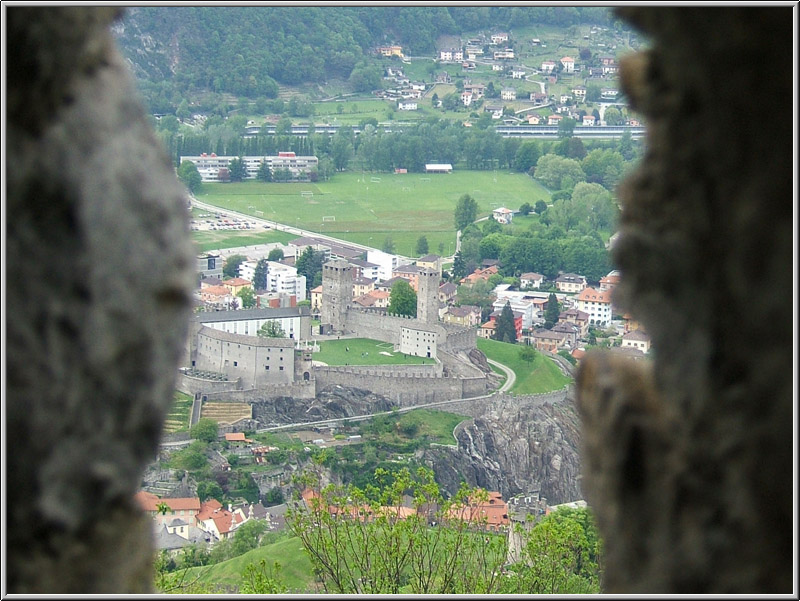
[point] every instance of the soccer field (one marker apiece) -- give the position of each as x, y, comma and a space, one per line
364, 351
369, 207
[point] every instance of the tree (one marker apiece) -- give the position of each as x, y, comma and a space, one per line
205, 429
248, 297
388, 245
466, 211
402, 299
190, 176
504, 329
422, 246
237, 169
540, 207
264, 173
276, 254
527, 354
248, 536
231, 267
271, 329
526, 156
209, 490
358, 542
558, 173
566, 127
525, 208
260, 275
552, 311
309, 264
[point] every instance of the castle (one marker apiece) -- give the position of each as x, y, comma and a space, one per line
225, 357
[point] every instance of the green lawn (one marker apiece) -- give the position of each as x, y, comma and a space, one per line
363, 351
542, 375
368, 207
217, 239
295, 566
433, 426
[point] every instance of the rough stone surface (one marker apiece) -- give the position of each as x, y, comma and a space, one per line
329, 403
688, 465
515, 449
100, 273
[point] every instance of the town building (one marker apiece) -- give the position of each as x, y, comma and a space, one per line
209, 165
597, 304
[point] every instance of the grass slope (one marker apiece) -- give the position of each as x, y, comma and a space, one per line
363, 351
542, 375
370, 207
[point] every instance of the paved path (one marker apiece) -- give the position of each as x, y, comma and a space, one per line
511, 377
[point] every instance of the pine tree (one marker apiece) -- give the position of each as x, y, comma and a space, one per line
505, 329
552, 311
260, 275
264, 173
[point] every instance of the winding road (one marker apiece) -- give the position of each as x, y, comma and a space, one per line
511, 377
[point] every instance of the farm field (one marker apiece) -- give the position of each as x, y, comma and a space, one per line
363, 351
542, 375
178, 417
369, 207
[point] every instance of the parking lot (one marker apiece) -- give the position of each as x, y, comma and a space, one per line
216, 221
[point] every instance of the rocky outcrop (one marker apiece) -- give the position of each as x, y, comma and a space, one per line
515, 450
336, 401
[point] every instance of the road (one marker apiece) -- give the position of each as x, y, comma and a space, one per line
511, 376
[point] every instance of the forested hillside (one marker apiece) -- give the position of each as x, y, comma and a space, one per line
247, 51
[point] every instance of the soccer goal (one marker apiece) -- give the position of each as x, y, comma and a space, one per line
375, 180
307, 194
260, 213
328, 218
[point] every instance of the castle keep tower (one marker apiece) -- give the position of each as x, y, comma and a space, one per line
337, 292
428, 296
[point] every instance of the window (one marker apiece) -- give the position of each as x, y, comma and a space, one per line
236, 364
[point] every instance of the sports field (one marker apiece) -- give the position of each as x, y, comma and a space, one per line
367, 208
364, 351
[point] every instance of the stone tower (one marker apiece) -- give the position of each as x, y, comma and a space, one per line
428, 296
337, 292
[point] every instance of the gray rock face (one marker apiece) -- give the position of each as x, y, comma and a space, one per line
515, 451
99, 256
330, 403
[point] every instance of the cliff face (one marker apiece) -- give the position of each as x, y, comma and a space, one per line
515, 451
336, 401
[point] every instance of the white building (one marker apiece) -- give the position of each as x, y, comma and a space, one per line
209, 165
386, 263
280, 278
531, 280
597, 304
508, 94
406, 106
503, 215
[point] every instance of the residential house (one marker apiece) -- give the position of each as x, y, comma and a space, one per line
568, 64
476, 89
517, 74
508, 94
433, 262
499, 38
546, 340
570, 282
578, 318
443, 77
630, 323
406, 105
365, 269
236, 285
491, 515
209, 264
495, 108
179, 534
597, 304
386, 285
447, 293
391, 51
507, 54
466, 98
362, 286
607, 60
498, 67
376, 299
216, 296
588, 120
465, 315
609, 93
564, 98
503, 215
636, 339
608, 282
548, 66
210, 281
237, 438
538, 97
450, 55
409, 272
165, 510
487, 330
519, 304
534, 119
610, 69
554, 119
579, 92
219, 521
531, 280
316, 299
480, 274
578, 354
569, 331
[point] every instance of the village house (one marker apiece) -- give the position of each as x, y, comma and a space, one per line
609, 93
538, 98
507, 54
548, 67
546, 340
554, 119
569, 331
165, 510
564, 98
391, 51
518, 319
449, 55
236, 285
316, 299
508, 94
362, 286
579, 92
570, 282
499, 38
487, 330
447, 292
491, 514
409, 272
610, 69
530, 280
465, 315
498, 67
479, 274
568, 64
609, 281
433, 262
476, 89
377, 299
597, 304
217, 520
534, 119
578, 318
517, 73
503, 215
216, 296
406, 105
630, 323
636, 339
588, 120
466, 98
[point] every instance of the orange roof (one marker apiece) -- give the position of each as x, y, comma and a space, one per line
592, 295
489, 325
208, 507
237, 282
150, 502
224, 520
236, 437
216, 291
494, 511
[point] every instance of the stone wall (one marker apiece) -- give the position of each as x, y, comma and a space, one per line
407, 386
102, 270
688, 463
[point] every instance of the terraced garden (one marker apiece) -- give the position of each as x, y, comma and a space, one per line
178, 416
226, 413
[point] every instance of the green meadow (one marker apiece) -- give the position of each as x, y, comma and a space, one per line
541, 375
367, 208
363, 351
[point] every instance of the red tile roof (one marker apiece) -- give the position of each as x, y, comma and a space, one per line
150, 502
